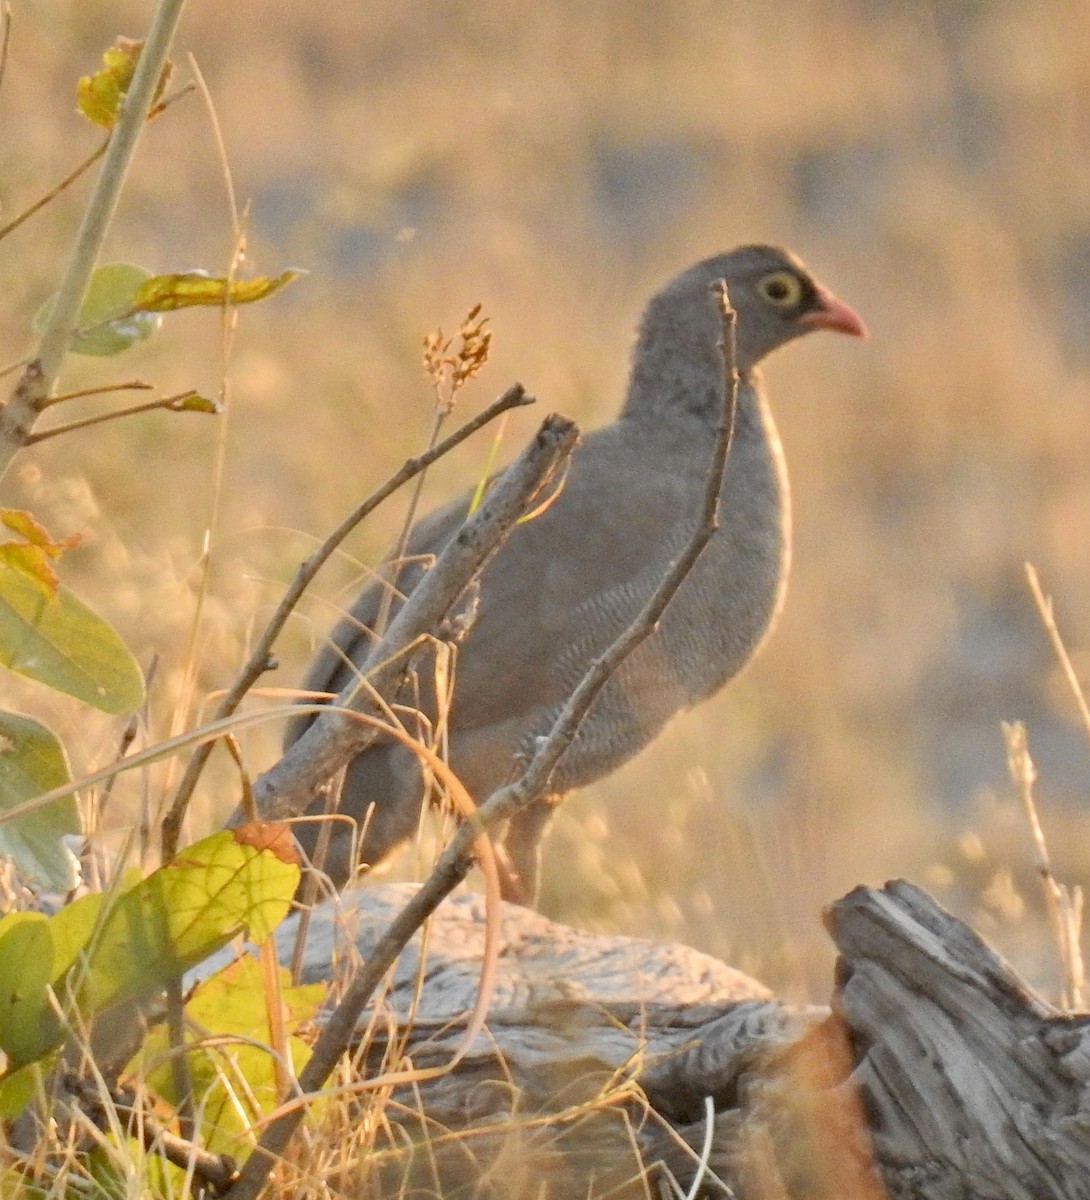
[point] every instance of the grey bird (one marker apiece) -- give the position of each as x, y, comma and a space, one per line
569, 581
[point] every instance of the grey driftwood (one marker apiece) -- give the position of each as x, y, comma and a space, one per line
935, 1073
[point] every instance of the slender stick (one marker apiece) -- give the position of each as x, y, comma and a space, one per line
534, 782
133, 385
1048, 619
5, 38
54, 191
148, 406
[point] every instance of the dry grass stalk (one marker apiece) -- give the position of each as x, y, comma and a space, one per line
1062, 904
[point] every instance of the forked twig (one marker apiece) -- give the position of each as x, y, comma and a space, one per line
169, 402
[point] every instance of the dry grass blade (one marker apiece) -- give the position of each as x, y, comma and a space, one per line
5, 38
168, 748
1069, 900
485, 855
1048, 620
706, 1148
1064, 907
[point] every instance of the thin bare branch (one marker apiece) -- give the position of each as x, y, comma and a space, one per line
169, 402
54, 191
5, 38
534, 782
288, 787
131, 385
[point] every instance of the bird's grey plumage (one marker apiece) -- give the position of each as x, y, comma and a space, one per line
567, 583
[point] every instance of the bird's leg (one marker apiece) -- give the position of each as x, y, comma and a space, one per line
523, 845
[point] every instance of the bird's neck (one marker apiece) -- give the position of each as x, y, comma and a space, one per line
677, 380
691, 407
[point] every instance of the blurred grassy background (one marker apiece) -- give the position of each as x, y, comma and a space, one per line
931, 161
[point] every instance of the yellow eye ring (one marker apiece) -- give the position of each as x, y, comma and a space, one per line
781, 288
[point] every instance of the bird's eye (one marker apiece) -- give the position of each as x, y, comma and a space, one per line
781, 288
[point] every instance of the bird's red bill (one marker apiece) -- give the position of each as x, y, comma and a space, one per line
832, 313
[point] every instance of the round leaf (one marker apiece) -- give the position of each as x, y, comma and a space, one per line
60, 642
108, 320
33, 761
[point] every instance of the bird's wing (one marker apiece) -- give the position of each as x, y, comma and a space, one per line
567, 583
558, 592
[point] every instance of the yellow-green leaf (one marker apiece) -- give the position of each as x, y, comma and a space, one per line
224, 885
99, 96
64, 644
17, 1087
28, 1025
164, 293
106, 950
234, 1003
195, 402
32, 761
33, 563
32, 555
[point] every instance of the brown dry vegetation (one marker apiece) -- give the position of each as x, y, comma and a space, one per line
932, 163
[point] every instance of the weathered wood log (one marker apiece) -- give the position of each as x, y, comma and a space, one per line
935, 1074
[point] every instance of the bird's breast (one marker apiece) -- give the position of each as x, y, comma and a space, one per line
728, 603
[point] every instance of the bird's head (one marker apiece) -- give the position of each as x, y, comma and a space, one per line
775, 296
677, 363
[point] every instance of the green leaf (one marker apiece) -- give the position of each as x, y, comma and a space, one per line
108, 321
227, 884
17, 1087
164, 293
73, 927
28, 1025
98, 96
32, 761
233, 1003
65, 645
106, 950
